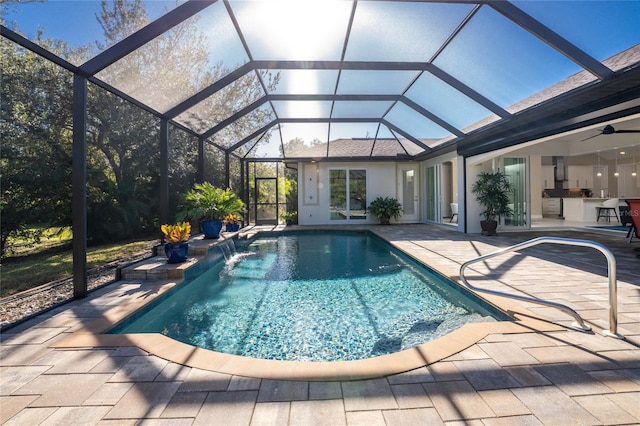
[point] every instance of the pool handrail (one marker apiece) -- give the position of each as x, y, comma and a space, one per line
579, 323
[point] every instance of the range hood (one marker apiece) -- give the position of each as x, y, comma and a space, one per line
560, 169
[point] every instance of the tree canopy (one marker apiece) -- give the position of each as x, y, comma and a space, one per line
123, 158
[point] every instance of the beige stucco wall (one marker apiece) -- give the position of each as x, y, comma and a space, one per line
313, 193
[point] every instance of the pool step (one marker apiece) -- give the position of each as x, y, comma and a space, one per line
157, 268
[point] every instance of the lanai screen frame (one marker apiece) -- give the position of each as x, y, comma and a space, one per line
612, 95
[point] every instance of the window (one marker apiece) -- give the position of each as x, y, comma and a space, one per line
353, 183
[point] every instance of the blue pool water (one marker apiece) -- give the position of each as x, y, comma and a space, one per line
312, 297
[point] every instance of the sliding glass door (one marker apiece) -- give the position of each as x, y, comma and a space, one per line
516, 171
347, 194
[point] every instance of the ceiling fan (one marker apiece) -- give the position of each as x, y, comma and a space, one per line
609, 130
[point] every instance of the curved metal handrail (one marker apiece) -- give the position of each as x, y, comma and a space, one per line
579, 323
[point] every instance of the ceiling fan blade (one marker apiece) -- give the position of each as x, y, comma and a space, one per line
590, 137
609, 130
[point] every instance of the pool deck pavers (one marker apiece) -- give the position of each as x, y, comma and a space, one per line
540, 372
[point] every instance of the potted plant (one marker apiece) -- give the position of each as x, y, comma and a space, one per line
176, 237
492, 191
289, 217
385, 208
209, 205
232, 222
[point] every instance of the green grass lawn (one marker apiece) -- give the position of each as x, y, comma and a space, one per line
52, 238
52, 259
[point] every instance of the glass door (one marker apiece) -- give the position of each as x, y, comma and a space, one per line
357, 194
266, 201
433, 194
516, 171
408, 192
347, 194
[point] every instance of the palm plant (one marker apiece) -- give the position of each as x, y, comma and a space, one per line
492, 191
205, 202
385, 208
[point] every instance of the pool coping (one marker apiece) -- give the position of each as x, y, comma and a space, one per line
92, 336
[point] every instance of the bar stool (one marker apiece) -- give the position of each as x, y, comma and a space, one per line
607, 207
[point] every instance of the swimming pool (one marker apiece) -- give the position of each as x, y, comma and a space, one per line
311, 296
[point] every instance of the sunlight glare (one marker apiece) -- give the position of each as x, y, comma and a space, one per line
298, 29
303, 82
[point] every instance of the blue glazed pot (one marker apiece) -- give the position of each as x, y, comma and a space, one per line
176, 253
211, 228
233, 227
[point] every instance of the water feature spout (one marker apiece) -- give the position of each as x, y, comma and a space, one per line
228, 248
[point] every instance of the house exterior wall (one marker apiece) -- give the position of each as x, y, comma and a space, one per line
313, 194
382, 180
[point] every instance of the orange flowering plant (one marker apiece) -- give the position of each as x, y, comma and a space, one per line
231, 218
177, 233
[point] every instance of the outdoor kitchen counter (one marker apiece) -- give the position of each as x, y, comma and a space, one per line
583, 209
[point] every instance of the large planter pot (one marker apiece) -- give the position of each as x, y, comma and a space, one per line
233, 227
211, 228
489, 227
176, 253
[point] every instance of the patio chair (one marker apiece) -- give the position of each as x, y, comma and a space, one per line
634, 216
454, 211
608, 206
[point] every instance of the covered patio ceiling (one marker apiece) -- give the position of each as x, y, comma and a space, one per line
432, 75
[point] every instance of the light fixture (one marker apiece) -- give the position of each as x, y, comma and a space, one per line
599, 173
635, 166
616, 174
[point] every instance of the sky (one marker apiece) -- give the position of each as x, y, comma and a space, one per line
71, 20
492, 55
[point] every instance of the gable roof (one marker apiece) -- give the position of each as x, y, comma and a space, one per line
357, 148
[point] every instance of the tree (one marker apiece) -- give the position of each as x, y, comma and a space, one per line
35, 128
160, 73
123, 140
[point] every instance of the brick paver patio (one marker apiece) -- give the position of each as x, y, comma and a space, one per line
552, 377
